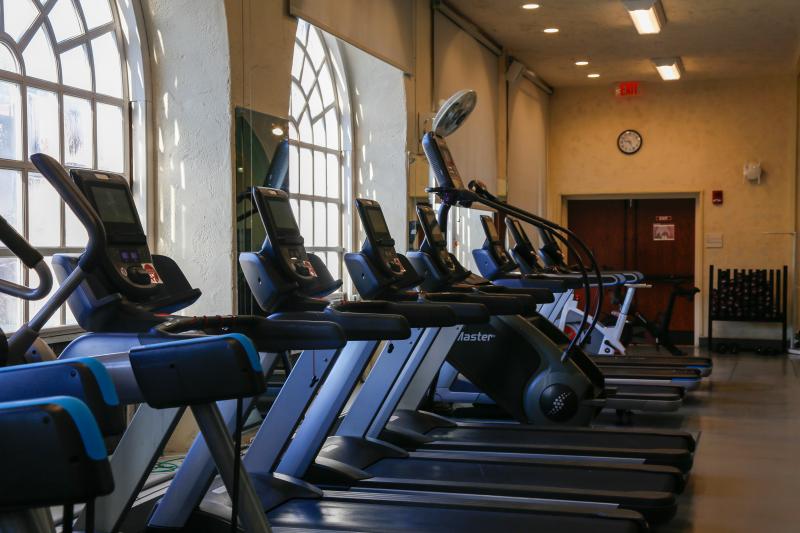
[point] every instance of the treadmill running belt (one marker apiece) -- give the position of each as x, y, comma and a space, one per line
582, 476
612, 371
356, 516
553, 437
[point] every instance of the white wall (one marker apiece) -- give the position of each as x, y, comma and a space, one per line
190, 74
527, 146
379, 123
460, 62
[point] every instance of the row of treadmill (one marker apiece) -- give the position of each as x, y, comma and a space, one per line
345, 445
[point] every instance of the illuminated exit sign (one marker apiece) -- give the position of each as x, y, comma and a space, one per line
627, 88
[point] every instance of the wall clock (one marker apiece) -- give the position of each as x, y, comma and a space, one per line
629, 142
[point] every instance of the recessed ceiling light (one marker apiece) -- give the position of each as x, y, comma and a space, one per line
669, 68
551, 30
647, 15
593, 75
581, 63
530, 6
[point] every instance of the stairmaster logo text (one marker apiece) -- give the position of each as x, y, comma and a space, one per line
476, 337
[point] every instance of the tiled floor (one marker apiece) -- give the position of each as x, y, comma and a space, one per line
746, 476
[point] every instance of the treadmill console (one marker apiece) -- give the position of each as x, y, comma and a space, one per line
445, 170
550, 252
379, 240
494, 244
434, 238
127, 259
284, 242
523, 248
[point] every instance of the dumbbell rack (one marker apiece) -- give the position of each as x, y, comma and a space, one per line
748, 295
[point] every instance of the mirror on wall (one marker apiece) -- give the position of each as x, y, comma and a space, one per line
262, 160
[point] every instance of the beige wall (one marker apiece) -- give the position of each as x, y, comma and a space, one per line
461, 62
261, 36
527, 146
697, 136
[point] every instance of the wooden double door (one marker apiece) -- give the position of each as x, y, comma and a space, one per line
653, 236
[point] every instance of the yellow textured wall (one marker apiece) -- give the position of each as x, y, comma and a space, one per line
697, 136
261, 39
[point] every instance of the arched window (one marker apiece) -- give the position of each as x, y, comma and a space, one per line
316, 179
63, 92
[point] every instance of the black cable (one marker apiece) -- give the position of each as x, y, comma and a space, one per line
237, 464
67, 518
595, 312
487, 199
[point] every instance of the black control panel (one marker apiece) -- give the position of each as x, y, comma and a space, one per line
127, 259
448, 163
494, 242
379, 239
523, 249
434, 237
284, 241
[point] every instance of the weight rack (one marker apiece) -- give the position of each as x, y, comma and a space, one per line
748, 295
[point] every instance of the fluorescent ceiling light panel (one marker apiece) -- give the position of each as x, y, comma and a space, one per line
669, 68
647, 15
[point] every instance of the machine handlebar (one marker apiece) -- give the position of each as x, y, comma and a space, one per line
31, 258
61, 181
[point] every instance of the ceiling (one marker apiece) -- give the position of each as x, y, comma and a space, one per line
717, 39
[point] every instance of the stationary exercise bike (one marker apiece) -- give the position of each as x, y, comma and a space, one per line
660, 331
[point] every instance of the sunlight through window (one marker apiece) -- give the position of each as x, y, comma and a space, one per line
63, 60
316, 158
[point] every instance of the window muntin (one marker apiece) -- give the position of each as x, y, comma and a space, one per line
63, 92
316, 158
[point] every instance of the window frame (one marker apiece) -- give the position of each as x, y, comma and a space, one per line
341, 106
23, 166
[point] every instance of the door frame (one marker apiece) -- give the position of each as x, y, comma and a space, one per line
699, 259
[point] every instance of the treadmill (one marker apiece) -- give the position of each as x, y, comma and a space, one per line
292, 282
399, 420
496, 265
526, 260
352, 460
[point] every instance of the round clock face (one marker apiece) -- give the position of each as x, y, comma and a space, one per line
629, 142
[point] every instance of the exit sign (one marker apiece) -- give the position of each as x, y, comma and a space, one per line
627, 88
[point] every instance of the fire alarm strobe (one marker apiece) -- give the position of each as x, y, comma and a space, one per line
716, 197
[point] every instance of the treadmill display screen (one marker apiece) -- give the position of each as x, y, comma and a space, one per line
282, 215
491, 231
113, 205
523, 237
378, 223
450, 164
435, 231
